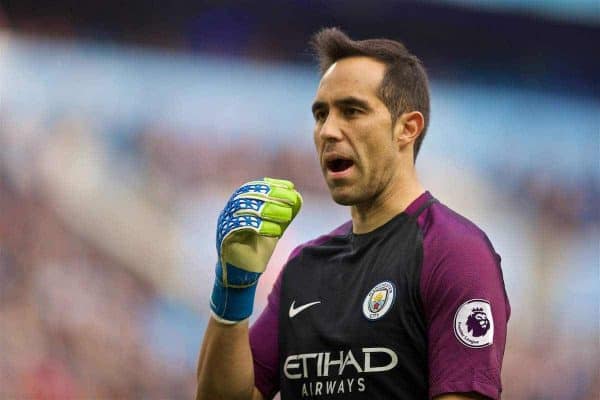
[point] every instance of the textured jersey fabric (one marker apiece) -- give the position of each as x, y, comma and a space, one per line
411, 310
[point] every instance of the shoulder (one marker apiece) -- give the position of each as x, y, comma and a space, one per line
457, 254
341, 230
447, 233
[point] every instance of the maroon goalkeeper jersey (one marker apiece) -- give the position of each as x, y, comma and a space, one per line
414, 309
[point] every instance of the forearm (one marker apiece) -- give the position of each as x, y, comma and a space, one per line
225, 368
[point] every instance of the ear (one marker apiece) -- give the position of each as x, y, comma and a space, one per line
408, 128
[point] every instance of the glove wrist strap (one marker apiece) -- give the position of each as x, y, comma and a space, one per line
232, 304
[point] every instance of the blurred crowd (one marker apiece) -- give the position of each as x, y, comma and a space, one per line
72, 318
175, 165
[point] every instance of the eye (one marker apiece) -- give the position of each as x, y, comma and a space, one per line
351, 112
320, 115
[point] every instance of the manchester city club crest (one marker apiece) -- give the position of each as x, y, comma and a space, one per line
379, 300
473, 324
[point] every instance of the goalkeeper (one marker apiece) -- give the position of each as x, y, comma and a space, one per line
404, 301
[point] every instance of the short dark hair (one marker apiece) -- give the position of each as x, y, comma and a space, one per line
404, 86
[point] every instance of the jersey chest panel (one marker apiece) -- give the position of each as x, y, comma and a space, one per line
351, 321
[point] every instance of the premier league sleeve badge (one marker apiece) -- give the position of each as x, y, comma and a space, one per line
473, 324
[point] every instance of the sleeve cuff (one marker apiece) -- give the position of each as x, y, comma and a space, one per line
485, 389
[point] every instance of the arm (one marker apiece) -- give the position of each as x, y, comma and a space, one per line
467, 311
248, 229
225, 368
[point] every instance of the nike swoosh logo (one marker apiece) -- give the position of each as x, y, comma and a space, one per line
295, 311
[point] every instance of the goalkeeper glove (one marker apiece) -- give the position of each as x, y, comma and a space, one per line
248, 229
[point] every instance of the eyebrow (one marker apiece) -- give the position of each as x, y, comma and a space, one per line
349, 101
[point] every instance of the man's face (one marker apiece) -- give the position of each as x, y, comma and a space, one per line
353, 131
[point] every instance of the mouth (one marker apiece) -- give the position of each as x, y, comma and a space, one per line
339, 164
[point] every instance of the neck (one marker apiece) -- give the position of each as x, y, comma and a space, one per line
393, 200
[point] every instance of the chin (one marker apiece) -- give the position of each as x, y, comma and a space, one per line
343, 197
343, 201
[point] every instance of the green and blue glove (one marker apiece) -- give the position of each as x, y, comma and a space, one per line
248, 229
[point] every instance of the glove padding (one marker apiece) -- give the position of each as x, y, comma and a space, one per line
253, 220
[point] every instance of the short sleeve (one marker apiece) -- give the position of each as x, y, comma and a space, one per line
467, 310
264, 343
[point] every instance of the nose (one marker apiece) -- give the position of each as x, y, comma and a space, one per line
330, 129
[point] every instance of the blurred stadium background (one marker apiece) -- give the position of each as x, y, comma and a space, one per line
124, 127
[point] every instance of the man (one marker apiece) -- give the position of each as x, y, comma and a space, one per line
405, 301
